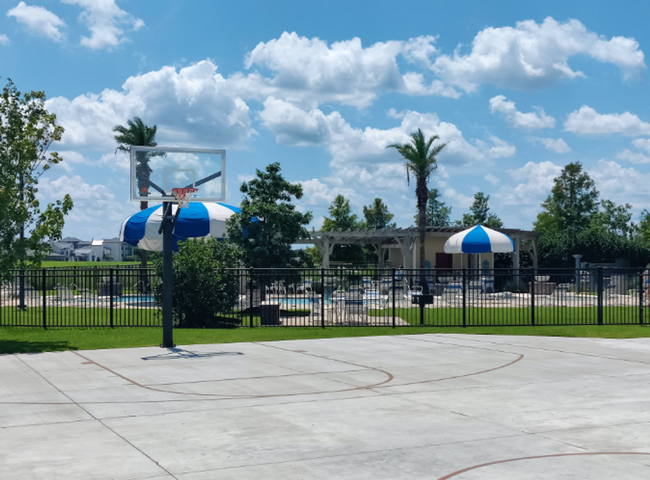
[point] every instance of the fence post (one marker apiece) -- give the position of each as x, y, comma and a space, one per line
44, 299
641, 287
464, 292
532, 296
322, 302
599, 302
392, 285
250, 297
110, 296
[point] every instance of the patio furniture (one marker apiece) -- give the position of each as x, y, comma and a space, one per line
354, 311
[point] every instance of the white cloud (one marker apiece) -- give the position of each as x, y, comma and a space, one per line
315, 192
307, 71
517, 119
105, 20
492, 179
636, 157
556, 145
621, 185
38, 20
4, 40
642, 143
192, 107
587, 121
348, 145
96, 210
531, 55
535, 181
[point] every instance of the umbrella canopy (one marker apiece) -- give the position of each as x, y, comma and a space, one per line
197, 220
479, 240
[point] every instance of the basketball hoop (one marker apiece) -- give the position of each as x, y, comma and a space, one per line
183, 195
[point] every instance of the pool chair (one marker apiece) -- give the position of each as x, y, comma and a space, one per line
315, 309
398, 292
355, 311
373, 300
304, 288
453, 293
355, 291
367, 283
384, 285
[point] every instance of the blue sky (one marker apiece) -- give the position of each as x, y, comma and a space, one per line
518, 89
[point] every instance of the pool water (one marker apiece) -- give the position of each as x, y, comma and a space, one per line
290, 301
136, 298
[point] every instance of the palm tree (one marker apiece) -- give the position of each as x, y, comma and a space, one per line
141, 135
420, 160
137, 133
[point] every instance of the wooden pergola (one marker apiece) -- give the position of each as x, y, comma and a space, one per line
406, 240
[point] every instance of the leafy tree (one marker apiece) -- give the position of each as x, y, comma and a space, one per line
437, 213
342, 218
571, 205
27, 130
480, 213
377, 215
203, 287
644, 226
420, 160
268, 223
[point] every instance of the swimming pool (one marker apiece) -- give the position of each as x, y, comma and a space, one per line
136, 298
296, 302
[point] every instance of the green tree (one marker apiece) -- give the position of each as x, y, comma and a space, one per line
27, 130
437, 213
377, 215
268, 223
480, 213
420, 160
341, 218
571, 205
203, 286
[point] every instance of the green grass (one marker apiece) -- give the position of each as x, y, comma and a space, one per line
22, 340
54, 263
518, 316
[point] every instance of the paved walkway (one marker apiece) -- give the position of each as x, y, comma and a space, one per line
401, 407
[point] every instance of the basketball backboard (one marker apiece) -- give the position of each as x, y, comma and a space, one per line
155, 171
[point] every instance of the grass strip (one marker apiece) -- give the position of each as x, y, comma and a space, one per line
35, 340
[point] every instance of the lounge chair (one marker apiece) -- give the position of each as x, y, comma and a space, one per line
355, 311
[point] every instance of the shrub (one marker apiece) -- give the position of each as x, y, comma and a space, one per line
203, 288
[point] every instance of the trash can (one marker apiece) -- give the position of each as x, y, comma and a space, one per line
270, 314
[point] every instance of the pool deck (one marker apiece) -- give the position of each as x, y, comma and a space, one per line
466, 407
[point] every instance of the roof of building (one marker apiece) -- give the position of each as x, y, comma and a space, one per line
97, 243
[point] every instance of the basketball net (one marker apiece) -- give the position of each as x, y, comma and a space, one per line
183, 195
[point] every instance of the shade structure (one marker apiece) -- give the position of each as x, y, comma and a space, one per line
479, 239
196, 220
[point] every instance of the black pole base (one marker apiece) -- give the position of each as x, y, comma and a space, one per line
162, 345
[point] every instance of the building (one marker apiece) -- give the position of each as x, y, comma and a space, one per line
403, 247
74, 250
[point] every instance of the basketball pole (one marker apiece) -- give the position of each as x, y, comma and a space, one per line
167, 227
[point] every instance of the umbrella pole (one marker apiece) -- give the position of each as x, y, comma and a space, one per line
167, 227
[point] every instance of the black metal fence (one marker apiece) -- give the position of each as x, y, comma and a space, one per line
116, 297
79, 297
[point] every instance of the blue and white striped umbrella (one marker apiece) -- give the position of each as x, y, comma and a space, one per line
197, 220
479, 240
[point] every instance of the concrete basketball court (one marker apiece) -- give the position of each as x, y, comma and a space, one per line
465, 407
